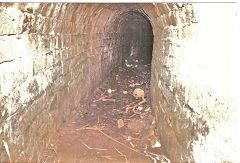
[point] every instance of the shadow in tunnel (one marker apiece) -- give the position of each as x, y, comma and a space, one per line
137, 34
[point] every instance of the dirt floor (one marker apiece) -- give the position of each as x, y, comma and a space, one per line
117, 125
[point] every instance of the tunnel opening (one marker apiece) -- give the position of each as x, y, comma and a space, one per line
137, 34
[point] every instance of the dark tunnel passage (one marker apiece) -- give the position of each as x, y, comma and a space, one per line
138, 35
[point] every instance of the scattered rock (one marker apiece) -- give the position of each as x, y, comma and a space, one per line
128, 65
140, 108
120, 123
109, 91
156, 145
154, 142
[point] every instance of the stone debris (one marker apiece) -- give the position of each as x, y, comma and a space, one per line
124, 113
109, 91
156, 145
129, 138
128, 65
120, 123
140, 108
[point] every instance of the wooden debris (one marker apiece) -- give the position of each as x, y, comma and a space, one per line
104, 98
148, 109
128, 105
137, 151
138, 104
142, 115
132, 144
113, 100
91, 128
99, 149
100, 98
122, 155
107, 157
99, 129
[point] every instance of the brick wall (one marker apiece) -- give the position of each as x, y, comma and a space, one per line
46, 59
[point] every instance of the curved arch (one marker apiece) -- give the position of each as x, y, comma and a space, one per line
135, 31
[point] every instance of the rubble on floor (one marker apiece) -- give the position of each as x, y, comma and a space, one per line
117, 123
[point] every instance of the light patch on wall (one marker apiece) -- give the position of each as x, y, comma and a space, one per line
207, 71
19, 65
11, 21
211, 52
17, 75
33, 6
214, 147
19, 85
201, 60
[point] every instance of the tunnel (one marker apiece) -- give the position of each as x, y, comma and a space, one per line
137, 34
117, 82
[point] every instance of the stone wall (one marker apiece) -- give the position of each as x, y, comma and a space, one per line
46, 55
193, 83
53, 55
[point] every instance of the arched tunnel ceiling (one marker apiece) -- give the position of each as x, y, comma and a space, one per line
106, 15
130, 17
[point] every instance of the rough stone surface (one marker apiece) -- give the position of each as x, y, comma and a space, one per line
193, 86
53, 55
